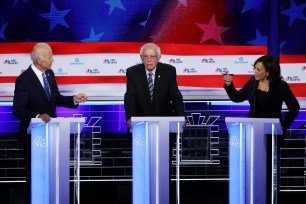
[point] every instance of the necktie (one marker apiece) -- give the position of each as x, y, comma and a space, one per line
150, 82
46, 86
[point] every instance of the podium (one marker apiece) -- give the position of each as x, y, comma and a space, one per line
248, 157
150, 152
50, 159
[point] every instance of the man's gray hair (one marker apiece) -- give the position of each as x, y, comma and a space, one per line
38, 50
153, 45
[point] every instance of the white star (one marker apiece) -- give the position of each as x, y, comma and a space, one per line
93, 37
2, 31
184, 2
114, 4
295, 12
145, 22
56, 17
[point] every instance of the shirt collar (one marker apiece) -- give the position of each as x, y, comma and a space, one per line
36, 70
153, 72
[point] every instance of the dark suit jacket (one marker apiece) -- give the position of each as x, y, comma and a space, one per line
30, 98
167, 99
278, 93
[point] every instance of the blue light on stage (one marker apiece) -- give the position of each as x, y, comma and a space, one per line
39, 170
237, 164
141, 180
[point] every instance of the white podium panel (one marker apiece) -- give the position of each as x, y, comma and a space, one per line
150, 145
50, 159
248, 157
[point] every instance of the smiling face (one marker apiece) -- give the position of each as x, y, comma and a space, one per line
260, 72
150, 57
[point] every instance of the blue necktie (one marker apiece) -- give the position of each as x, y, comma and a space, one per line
46, 86
150, 82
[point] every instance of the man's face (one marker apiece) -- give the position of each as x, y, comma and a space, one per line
47, 59
150, 58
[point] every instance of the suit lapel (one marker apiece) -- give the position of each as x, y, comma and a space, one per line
144, 79
52, 85
38, 84
157, 79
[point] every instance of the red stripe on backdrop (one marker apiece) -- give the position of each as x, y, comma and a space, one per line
293, 59
195, 80
210, 81
216, 81
134, 47
8, 79
299, 90
77, 79
207, 81
90, 79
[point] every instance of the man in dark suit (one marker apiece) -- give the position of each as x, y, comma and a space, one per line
152, 89
166, 99
37, 96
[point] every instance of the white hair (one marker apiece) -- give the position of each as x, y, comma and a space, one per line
152, 45
39, 50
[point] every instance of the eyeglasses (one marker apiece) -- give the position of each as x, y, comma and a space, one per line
151, 57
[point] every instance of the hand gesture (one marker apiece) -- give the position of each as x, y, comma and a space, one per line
80, 98
228, 78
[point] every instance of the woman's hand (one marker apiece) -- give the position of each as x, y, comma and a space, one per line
228, 78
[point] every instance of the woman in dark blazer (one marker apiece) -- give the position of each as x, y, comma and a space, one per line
266, 92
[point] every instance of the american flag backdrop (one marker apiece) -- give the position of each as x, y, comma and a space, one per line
221, 22
228, 23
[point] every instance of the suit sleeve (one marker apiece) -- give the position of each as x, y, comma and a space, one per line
129, 96
292, 105
21, 101
60, 100
176, 96
237, 95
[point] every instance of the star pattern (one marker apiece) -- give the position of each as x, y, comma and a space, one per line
2, 31
212, 31
295, 12
93, 37
230, 22
281, 45
183, 2
255, 5
56, 17
114, 4
16, 1
259, 40
144, 23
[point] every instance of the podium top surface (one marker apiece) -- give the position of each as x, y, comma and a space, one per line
172, 121
252, 120
72, 122
157, 119
265, 121
58, 120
